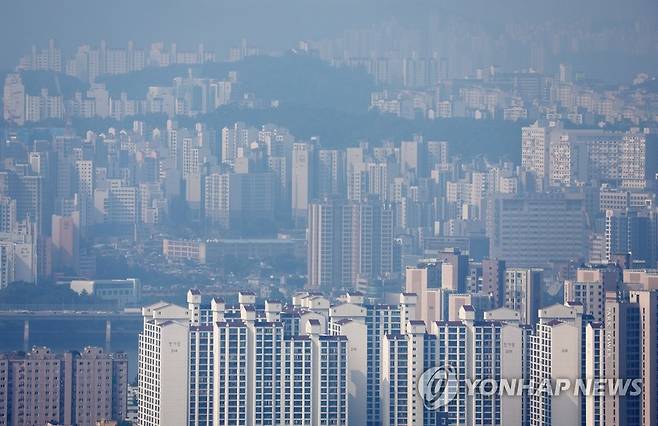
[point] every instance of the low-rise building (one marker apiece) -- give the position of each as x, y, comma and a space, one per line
122, 292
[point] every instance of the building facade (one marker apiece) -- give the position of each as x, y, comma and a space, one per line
72, 388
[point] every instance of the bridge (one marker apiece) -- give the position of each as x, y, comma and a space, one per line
56, 313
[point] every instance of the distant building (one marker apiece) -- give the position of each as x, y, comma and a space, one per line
523, 292
413, 157
622, 199
181, 250
424, 281
122, 292
117, 204
7, 214
259, 248
66, 242
303, 180
48, 59
535, 229
6, 264
239, 201
564, 157
590, 288
633, 232
348, 241
20, 255
331, 172
14, 99
214, 251
493, 280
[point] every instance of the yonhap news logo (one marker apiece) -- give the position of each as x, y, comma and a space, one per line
439, 386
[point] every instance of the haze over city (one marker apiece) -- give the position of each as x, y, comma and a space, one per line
329, 213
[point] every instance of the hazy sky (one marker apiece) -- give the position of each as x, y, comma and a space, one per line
269, 23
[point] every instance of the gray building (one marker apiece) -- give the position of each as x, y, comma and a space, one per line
75, 388
535, 229
523, 293
632, 232
348, 241
239, 201
631, 334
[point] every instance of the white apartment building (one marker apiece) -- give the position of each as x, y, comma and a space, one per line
85, 185
523, 290
253, 364
117, 204
472, 349
348, 241
163, 361
556, 352
6, 263
297, 389
331, 172
237, 365
534, 150
594, 369
216, 199
230, 373
378, 320
564, 157
590, 288
303, 173
394, 380
14, 99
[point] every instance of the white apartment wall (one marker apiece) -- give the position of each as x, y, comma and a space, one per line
173, 379
565, 364
388, 398
511, 367
347, 311
594, 369
415, 368
357, 366
448, 276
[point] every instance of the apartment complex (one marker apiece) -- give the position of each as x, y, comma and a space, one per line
236, 364
79, 388
564, 157
351, 361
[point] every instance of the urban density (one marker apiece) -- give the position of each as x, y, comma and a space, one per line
427, 214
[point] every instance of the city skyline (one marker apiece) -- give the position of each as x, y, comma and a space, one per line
224, 23
329, 213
